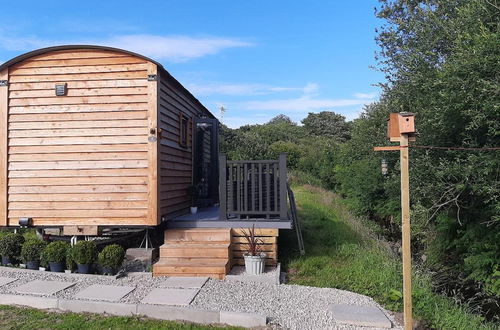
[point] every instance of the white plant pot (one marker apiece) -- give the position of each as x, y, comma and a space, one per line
194, 209
254, 265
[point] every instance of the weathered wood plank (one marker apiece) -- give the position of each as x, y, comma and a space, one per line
91, 189
73, 54
77, 100
78, 156
77, 148
58, 205
130, 131
72, 92
78, 108
78, 124
81, 62
78, 69
32, 86
154, 216
100, 221
4, 114
77, 140
79, 116
69, 165
76, 181
81, 76
77, 213
82, 197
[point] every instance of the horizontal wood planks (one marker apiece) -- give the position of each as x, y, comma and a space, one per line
268, 243
83, 158
175, 162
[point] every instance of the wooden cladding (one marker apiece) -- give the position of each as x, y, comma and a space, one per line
114, 148
82, 158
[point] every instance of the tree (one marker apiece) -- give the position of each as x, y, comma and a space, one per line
327, 124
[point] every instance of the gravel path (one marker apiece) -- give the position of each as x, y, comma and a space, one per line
291, 306
286, 306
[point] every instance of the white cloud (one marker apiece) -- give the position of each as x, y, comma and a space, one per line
239, 89
304, 103
365, 95
172, 48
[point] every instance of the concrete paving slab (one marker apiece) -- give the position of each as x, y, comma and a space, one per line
43, 287
104, 292
175, 297
29, 301
6, 280
178, 313
366, 316
247, 320
99, 307
184, 282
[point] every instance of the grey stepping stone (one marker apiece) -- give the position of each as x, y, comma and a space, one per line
367, 316
184, 282
178, 297
43, 287
104, 292
6, 280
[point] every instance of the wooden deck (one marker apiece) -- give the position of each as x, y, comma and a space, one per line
209, 217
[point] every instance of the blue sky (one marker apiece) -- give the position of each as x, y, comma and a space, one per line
256, 58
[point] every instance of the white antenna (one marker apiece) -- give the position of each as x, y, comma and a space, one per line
222, 111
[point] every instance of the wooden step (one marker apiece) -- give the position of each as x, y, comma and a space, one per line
215, 268
195, 250
198, 235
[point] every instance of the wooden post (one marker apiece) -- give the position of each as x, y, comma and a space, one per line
283, 190
222, 187
405, 220
401, 127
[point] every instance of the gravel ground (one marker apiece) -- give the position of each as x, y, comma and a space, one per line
286, 306
291, 306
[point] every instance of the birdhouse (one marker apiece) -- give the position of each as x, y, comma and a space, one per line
400, 123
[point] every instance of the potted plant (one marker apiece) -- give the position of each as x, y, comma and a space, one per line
55, 256
84, 254
10, 247
111, 258
254, 259
193, 191
31, 252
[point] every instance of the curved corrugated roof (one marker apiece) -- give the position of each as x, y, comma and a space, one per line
41, 51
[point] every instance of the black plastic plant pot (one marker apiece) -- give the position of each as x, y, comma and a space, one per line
83, 268
108, 271
57, 267
5, 260
34, 265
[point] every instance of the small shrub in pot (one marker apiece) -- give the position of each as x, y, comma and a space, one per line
111, 258
55, 255
31, 252
84, 253
10, 247
255, 260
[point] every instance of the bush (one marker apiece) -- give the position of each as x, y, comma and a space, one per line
112, 256
84, 252
32, 249
11, 244
55, 252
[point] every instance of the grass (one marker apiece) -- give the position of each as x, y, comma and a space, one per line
27, 318
343, 251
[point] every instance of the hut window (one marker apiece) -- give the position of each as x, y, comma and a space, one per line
183, 136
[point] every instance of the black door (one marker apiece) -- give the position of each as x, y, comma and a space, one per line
206, 161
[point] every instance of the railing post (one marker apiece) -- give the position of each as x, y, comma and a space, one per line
283, 189
222, 187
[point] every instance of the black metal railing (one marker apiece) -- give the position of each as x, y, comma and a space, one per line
253, 189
